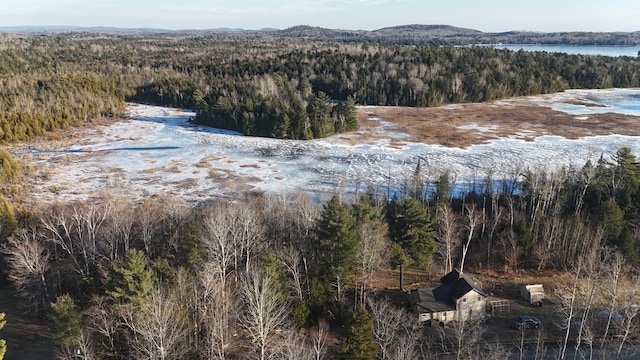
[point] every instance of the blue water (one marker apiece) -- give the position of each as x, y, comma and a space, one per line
606, 50
621, 101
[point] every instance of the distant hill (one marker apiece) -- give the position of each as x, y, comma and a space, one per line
427, 30
446, 34
403, 34
91, 29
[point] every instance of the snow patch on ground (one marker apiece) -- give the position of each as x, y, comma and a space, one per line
158, 150
474, 126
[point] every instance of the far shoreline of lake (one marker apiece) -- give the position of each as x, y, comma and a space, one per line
604, 50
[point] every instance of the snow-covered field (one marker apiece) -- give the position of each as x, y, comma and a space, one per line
158, 151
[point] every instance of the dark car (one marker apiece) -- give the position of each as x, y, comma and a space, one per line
525, 322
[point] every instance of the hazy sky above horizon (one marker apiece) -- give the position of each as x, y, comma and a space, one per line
487, 15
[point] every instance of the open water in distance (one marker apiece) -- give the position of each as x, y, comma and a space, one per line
606, 50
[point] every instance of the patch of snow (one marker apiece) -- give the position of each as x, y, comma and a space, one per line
474, 126
158, 150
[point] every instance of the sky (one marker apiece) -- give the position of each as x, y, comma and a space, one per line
483, 15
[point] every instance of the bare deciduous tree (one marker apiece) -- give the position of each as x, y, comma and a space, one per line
473, 219
306, 212
467, 338
147, 218
158, 328
448, 238
370, 254
120, 231
103, 323
251, 230
292, 262
28, 262
59, 227
630, 314
319, 339
88, 220
395, 330
82, 349
265, 311
217, 310
296, 348
173, 215
221, 249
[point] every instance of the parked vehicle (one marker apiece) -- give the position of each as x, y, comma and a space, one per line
526, 322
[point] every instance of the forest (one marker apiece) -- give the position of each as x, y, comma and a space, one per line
282, 87
286, 277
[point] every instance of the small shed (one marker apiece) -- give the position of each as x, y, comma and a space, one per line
534, 294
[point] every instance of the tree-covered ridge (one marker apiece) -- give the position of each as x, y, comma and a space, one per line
268, 86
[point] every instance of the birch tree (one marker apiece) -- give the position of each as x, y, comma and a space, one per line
217, 310
370, 253
158, 327
395, 330
473, 218
28, 262
264, 312
219, 245
448, 233
120, 229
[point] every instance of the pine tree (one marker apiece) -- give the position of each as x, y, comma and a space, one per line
337, 239
410, 226
133, 280
627, 172
9, 168
359, 343
8, 221
65, 320
443, 189
417, 183
617, 232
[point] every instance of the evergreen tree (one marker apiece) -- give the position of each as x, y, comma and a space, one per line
410, 226
8, 221
443, 190
417, 183
65, 320
359, 342
617, 232
366, 210
337, 238
524, 236
627, 172
133, 280
9, 168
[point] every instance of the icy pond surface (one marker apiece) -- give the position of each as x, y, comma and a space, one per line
158, 151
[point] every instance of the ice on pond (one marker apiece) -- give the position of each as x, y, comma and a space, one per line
159, 150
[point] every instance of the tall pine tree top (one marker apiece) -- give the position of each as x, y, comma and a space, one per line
337, 238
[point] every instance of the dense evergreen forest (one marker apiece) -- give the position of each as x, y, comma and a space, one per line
285, 277
282, 87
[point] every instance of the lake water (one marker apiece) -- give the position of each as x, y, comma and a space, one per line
606, 50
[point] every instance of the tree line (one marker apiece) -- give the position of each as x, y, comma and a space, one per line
267, 86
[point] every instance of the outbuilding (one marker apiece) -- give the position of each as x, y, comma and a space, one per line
458, 298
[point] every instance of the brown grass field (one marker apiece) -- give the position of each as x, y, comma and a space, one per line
456, 125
